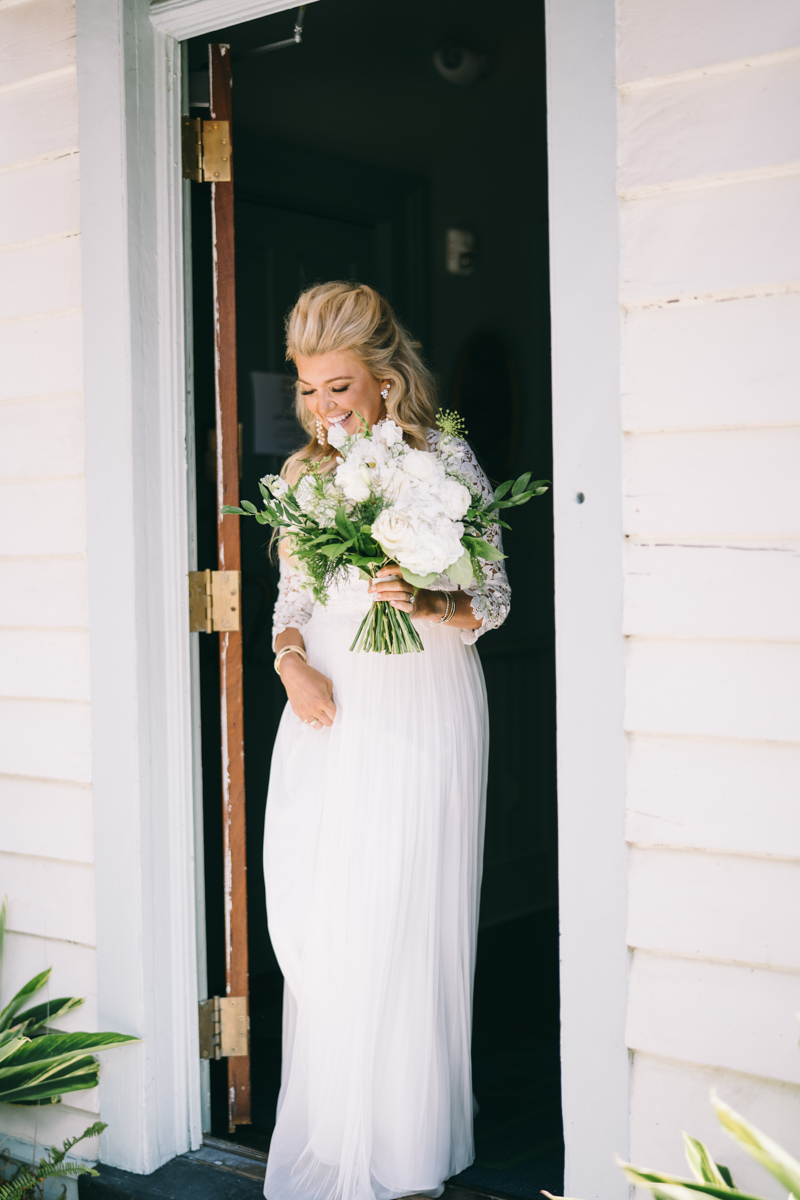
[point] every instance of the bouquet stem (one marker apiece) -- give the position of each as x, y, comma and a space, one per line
384, 630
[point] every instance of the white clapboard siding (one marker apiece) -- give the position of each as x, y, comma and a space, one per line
44, 591
680, 242
42, 436
42, 356
73, 973
668, 1096
41, 200
722, 906
656, 37
718, 1014
41, 119
41, 278
45, 739
714, 794
36, 37
714, 689
703, 128
45, 516
45, 663
715, 364
40, 817
52, 1125
720, 481
744, 590
51, 898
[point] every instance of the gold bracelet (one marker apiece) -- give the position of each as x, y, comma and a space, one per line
288, 650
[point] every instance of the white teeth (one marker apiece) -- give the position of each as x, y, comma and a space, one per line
339, 420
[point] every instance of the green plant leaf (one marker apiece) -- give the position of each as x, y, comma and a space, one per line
30, 989
3, 916
248, 506
483, 549
418, 581
701, 1164
499, 492
521, 484
41, 1014
763, 1149
460, 572
344, 524
335, 549
231, 510
674, 1187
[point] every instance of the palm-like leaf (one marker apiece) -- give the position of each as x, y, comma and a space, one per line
22, 997
777, 1161
34, 1022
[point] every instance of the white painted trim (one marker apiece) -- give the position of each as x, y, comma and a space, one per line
142, 676
587, 442
702, 182
750, 291
189, 18
33, 80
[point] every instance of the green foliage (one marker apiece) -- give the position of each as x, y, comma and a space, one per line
28, 1182
711, 1178
39, 1063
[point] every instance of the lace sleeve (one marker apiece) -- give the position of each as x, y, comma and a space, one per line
294, 604
490, 600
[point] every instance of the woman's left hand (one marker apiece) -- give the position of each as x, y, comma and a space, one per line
390, 587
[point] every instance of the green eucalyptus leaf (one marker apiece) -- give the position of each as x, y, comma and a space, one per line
460, 572
419, 581
231, 510
249, 506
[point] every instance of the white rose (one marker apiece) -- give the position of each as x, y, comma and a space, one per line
455, 498
393, 532
419, 464
350, 478
388, 432
391, 482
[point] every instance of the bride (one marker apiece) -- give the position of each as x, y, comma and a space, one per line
375, 814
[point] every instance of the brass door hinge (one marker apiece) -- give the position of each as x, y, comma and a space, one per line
224, 1027
206, 147
214, 601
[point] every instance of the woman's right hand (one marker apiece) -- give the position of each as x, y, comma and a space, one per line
310, 692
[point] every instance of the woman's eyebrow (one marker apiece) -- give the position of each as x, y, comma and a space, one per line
335, 379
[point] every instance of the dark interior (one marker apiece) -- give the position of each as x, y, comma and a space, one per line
353, 157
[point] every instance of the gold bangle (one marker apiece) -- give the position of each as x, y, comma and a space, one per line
288, 650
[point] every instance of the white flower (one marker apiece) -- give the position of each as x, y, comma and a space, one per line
455, 498
279, 487
393, 532
350, 477
337, 435
391, 482
319, 503
419, 464
388, 432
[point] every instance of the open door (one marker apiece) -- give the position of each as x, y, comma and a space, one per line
216, 595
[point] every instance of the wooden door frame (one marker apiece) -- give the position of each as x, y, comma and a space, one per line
139, 473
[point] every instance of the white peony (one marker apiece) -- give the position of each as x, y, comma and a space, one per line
455, 498
388, 432
436, 546
392, 482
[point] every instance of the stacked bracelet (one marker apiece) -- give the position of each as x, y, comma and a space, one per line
288, 650
449, 610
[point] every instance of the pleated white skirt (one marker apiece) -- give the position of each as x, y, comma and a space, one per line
372, 852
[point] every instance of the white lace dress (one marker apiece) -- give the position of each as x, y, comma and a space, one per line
372, 856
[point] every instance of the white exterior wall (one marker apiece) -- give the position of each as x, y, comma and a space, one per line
709, 191
46, 838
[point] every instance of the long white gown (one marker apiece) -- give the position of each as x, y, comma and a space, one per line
372, 855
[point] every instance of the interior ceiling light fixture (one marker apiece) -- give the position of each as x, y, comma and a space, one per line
460, 65
295, 40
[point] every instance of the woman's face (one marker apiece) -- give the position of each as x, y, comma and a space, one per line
338, 389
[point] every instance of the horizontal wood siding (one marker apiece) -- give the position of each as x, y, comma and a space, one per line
709, 189
45, 767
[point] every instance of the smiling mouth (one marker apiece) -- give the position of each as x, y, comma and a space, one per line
340, 418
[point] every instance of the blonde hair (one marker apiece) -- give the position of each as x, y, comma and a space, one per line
353, 317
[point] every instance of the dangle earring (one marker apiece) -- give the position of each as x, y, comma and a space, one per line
322, 436
385, 392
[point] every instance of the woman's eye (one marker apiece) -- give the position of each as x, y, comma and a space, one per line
341, 389
308, 393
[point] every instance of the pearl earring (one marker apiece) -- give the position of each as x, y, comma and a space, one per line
322, 437
385, 392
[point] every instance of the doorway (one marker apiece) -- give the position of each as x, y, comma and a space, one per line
354, 156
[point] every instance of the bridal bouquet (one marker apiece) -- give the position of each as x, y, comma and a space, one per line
385, 502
